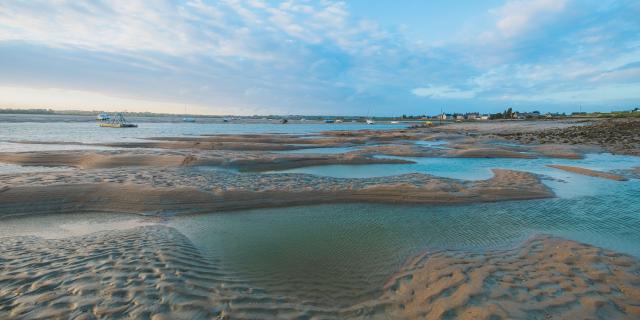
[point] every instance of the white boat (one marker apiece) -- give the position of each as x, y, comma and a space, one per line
103, 117
395, 122
187, 118
369, 121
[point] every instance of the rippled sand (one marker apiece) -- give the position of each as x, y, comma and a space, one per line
155, 272
546, 278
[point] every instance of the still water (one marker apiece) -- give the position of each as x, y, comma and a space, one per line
89, 132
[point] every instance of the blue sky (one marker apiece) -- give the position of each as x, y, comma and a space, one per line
320, 57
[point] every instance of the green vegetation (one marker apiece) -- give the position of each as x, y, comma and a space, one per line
635, 113
507, 114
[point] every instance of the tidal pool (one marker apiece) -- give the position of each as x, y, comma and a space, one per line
342, 253
564, 183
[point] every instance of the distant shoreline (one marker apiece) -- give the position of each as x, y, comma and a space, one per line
347, 118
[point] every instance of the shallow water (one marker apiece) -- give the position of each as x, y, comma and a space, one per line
470, 168
90, 132
337, 255
324, 252
6, 168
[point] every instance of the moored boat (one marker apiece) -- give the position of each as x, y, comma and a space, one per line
118, 122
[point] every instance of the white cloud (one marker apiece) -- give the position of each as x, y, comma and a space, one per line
518, 16
443, 92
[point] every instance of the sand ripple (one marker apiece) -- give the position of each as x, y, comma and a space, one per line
150, 272
155, 272
546, 278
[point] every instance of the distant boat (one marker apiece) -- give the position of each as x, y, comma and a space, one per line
187, 118
118, 122
284, 121
103, 117
369, 121
338, 121
328, 121
226, 120
395, 122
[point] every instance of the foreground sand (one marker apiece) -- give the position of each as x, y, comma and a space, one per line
155, 272
546, 278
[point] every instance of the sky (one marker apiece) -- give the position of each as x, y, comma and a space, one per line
359, 57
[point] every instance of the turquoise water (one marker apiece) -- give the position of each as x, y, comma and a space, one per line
470, 168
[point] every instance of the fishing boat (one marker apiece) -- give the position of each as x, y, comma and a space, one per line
118, 122
370, 121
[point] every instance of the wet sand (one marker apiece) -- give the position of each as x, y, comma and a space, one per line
546, 278
181, 190
588, 172
154, 272
243, 161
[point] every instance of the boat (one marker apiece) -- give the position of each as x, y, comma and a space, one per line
395, 122
103, 116
369, 121
328, 121
284, 121
118, 122
338, 121
187, 118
